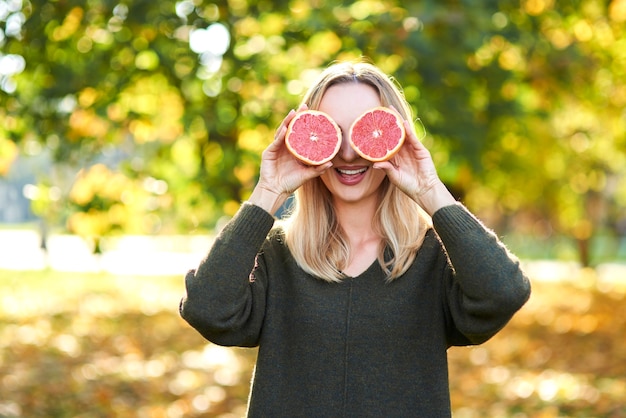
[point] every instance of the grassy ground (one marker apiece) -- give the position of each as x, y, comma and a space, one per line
89, 345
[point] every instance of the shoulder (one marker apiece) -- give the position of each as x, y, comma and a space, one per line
431, 255
432, 258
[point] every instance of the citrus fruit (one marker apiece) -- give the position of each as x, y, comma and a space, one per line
377, 134
313, 137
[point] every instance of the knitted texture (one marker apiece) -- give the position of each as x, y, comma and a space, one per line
364, 347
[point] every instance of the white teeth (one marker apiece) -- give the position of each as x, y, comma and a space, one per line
352, 172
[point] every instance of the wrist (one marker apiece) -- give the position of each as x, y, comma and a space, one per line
267, 199
435, 197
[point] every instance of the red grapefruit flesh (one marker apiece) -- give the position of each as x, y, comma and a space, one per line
313, 137
377, 134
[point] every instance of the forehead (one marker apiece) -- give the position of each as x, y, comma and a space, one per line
346, 101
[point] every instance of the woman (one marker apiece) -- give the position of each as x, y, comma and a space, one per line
354, 299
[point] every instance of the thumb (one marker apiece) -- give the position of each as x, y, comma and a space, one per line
383, 165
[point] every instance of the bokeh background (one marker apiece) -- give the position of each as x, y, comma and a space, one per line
131, 130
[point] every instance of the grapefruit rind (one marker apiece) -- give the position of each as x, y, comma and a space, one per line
313, 137
375, 136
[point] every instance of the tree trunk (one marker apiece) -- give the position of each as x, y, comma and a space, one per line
584, 251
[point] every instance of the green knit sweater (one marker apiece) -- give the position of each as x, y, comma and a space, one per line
363, 347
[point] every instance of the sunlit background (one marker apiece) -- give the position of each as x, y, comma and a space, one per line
131, 130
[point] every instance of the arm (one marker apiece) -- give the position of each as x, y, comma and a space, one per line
221, 302
485, 285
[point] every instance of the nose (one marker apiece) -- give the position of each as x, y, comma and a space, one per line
346, 152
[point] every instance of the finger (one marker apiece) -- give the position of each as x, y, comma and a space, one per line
308, 172
292, 113
316, 170
411, 135
280, 135
392, 172
323, 167
282, 129
386, 166
287, 119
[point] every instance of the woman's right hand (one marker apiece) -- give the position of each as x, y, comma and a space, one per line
281, 173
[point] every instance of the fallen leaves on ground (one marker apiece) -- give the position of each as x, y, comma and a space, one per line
101, 346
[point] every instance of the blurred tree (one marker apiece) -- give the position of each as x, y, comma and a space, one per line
523, 102
563, 163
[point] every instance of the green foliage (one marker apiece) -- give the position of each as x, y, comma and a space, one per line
523, 103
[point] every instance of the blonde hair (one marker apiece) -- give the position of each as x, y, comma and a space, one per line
312, 231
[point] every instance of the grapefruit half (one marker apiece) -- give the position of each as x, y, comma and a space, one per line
313, 137
377, 134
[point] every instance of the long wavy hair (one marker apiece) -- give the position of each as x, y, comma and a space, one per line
311, 229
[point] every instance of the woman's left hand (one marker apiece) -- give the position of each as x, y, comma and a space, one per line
413, 171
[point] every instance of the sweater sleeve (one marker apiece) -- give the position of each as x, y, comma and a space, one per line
485, 285
222, 302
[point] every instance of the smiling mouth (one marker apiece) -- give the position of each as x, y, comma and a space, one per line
351, 172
